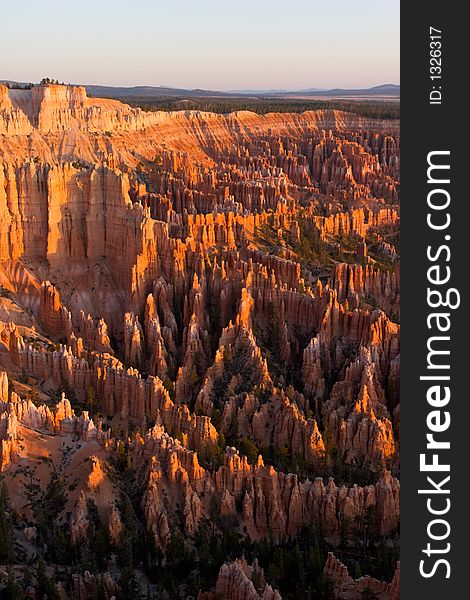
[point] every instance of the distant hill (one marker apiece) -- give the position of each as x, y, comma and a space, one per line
388, 90
148, 91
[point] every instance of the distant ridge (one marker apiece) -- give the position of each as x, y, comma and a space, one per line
148, 91
387, 90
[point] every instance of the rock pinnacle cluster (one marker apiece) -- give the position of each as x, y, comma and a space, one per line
199, 351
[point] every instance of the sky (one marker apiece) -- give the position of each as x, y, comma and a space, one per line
210, 44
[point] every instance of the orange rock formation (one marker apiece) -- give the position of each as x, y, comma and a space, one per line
181, 289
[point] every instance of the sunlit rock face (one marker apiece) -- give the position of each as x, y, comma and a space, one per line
200, 311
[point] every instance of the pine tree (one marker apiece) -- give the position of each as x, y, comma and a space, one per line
12, 589
7, 549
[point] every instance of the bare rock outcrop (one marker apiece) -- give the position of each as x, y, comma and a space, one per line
346, 588
235, 582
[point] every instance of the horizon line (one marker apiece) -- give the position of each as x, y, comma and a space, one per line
210, 89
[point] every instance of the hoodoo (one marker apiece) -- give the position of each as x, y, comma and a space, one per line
199, 349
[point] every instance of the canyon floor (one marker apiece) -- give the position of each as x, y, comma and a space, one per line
199, 352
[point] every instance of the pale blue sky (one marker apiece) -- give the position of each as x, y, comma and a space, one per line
243, 44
